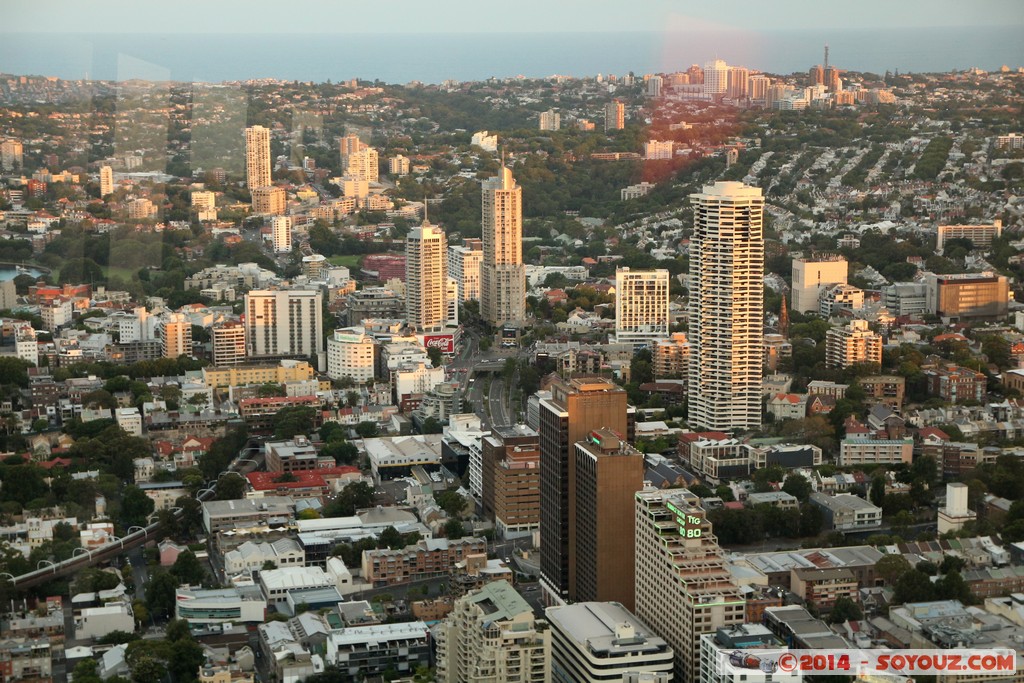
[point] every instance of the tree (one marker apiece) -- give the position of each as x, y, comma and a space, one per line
811, 520
913, 586
844, 610
391, 538
798, 486
367, 430
354, 496
136, 506
188, 569
431, 426
160, 594
891, 567
451, 501
294, 421
454, 529
230, 486
343, 452
877, 493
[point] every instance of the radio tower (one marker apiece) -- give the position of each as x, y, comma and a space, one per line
826, 56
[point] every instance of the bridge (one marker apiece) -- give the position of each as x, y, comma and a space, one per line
84, 557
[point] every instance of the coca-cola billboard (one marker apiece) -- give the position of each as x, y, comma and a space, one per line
445, 343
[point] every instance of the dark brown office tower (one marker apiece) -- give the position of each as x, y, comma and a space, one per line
609, 472
817, 75
577, 406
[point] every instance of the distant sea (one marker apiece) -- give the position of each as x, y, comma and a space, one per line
432, 58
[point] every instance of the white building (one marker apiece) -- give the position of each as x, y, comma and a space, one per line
813, 276
398, 165
550, 120
658, 149
716, 78
641, 305
464, 267
284, 322
491, 635
426, 278
955, 513
228, 343
222, 605
277, 583
281, 233
350, 353
415, 378
251, 557
488, 143
96, 622
364, 165
726, 307
130, 420
852, 344
55, 313
603, 641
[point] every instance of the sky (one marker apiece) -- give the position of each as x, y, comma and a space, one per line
473, 16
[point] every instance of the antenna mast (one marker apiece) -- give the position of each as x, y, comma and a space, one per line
826, 55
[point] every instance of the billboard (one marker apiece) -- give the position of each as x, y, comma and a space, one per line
445, 343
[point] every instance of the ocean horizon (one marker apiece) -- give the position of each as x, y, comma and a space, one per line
433, 58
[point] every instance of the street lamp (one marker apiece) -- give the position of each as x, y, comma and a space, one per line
84, 550
136, 529
46, 562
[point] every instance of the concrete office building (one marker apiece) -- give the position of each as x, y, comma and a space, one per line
269, 200
684, 589
550, 120
641, 305
969, 296
614, 116
464, 267
814, 275
426, 278
726, 307
502, 273
398, 165
491, 636
281, 227
576, 407
284, 322
257, 157
593, 642
609, 472
350, 353
716, 78
981, 235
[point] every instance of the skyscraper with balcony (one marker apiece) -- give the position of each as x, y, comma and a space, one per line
683, 585
257, 157
716, 78
106, 180
284, 323
426, 278
641, 305
464, 262
726, 307
502, 273
576, 407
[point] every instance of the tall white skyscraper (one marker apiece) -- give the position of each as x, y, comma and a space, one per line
257, 157
106, 180
641, 305
550, 120
284, 323
716, 77
502, 273
726, 307
426, 278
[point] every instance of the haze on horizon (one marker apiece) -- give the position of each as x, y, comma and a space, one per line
467, 16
